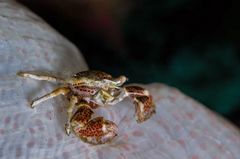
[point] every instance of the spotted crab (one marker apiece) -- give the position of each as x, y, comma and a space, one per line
88, 90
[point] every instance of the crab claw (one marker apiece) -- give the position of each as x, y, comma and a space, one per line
97, 131
94, 131
144, 106
81, 117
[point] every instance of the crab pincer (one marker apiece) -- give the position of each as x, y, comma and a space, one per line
144, 106
94, 131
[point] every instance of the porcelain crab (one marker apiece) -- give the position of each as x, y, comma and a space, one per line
88, 90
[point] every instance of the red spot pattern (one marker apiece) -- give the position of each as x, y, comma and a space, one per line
134, 89
193, 134
7, 120
86, 90
30, 144
93, 105
32, 131
195, 157
215, 157
18, 152
83, 115
89, 104
15, 126
126, 147
148, 110
50, 142
59, 136
125, 137
2, 131
93, 128
137, 133
181, 142
203, 146
156, 136
65, 155
190, 115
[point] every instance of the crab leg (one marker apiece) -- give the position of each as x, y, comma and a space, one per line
56, 92
94, 131
72, 102
40, 77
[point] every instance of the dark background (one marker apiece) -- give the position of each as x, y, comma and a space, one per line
192, 45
